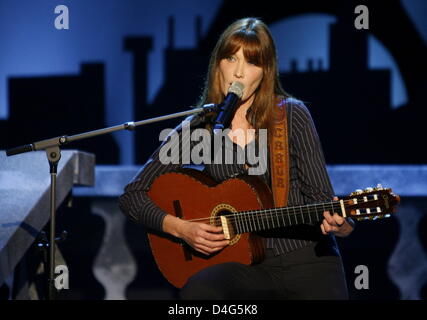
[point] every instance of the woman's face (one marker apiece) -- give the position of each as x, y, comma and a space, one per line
237, 68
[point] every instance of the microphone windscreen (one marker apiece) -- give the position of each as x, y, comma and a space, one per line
236, 88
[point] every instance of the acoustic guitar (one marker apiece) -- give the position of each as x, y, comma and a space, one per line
242, 206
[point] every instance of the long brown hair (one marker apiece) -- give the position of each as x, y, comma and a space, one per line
259, 48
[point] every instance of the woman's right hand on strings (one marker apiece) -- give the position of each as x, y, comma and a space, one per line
203, 237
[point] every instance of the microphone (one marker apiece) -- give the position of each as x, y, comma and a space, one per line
228, 106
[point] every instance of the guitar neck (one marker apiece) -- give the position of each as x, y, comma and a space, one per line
265, 219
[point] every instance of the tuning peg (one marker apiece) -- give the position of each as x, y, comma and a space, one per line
356, 192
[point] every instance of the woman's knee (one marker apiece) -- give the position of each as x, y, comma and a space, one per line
201, 288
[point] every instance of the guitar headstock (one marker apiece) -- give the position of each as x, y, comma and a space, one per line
371, 203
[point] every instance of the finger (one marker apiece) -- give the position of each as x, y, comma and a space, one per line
326, 226
322, 227
219, 247
330, 228
201, 249
339, 221
329, 218
220, 244
213, 244
209, 250
213, 236
208, 235
211, 228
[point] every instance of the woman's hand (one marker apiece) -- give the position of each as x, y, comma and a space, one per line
336, 224
204, 238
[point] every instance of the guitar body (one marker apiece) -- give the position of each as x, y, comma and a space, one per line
242, 206
190, 194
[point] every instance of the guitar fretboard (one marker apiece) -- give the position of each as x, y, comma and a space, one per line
265, 219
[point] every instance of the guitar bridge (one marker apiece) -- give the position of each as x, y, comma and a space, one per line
227, 228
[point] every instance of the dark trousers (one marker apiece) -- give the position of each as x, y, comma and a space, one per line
307, 273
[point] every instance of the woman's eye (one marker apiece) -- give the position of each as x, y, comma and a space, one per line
231, 59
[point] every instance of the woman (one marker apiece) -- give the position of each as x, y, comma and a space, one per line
302, 262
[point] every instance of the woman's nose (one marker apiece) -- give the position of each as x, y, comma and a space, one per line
238, 71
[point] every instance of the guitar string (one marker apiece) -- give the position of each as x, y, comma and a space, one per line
251, 216
270, 212
306, 208
247, 216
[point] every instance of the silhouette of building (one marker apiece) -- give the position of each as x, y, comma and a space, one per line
184, 78
46, 107
348, 101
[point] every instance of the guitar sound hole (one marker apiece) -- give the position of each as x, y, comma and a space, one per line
222, 213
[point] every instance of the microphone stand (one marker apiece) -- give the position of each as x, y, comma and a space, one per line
53, 154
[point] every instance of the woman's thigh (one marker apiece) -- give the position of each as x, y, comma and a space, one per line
229, 281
